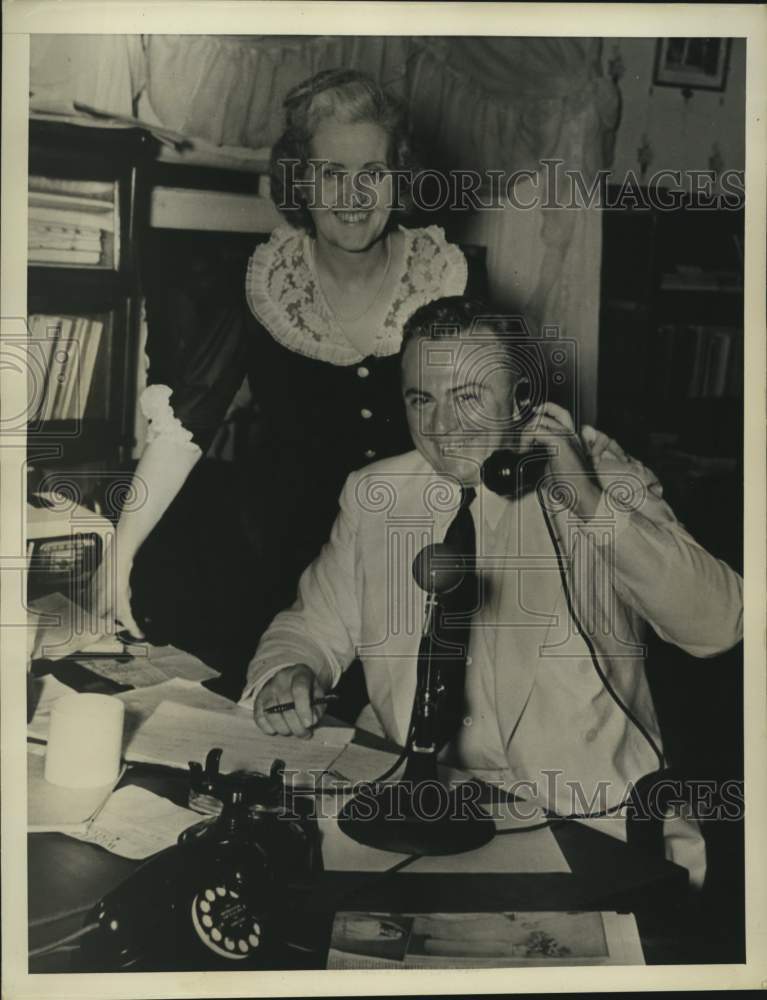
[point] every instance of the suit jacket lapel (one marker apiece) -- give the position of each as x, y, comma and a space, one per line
528, 603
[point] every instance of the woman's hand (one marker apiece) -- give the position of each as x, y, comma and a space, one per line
114, 596
297, 684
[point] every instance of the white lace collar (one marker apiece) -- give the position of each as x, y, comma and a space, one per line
284, 295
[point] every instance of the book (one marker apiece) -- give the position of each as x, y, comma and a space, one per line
69, 202
98, 190
67, 403
665, 344
734, 379
78, 218
43, 334
697, 375
58, 365
42, 238
89, 350
47, 256
64, 369
720, 341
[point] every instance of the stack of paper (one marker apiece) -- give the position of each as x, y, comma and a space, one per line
71, 222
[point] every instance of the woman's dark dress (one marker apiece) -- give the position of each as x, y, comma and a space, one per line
227, 555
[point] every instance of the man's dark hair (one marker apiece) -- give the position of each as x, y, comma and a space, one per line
456, 314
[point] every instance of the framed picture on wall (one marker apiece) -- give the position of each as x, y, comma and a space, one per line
692, 63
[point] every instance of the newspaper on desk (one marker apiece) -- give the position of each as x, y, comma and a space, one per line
365, 940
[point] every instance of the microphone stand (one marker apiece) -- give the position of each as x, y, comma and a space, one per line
418, 814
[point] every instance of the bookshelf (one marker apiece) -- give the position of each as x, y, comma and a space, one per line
671, 358
87, 212
671, 392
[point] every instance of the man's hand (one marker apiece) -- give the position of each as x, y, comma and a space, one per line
573, 457
300, 685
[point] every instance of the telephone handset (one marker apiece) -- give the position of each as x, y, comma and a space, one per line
512, 471
213, 900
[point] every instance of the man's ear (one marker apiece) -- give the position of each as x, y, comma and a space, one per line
521, 399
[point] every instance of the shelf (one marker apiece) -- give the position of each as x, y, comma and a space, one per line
698, 289
105, 148
76, 288
680, 270
99, 306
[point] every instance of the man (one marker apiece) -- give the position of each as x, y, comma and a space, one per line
570, 570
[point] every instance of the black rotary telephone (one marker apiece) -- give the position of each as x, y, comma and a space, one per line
218, 899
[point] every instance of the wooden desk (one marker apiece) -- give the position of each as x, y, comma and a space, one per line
66, 874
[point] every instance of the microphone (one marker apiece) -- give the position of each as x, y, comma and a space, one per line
418, 814
439, 569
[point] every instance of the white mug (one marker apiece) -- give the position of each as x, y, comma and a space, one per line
84, 741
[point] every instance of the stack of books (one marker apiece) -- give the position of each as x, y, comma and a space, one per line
62, 361
72, 223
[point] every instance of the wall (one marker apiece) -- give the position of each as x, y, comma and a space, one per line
681, 133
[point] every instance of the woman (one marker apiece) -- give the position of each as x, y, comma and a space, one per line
327, 299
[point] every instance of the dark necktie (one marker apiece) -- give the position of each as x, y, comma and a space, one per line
452, 622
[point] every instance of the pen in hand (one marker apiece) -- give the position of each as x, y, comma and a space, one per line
290, 705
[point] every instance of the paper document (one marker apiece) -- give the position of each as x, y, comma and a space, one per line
107, 645
148, 665
52, 808
136, 672
141, 703
482, 940
358, 763
176, 734
136, 823
513, 850
175, 662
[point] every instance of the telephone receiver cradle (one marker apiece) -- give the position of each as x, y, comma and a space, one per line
213, 900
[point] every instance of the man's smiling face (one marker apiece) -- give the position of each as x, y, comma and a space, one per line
459, 400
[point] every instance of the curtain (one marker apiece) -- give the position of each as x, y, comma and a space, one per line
106, 72
229, 90
485, 103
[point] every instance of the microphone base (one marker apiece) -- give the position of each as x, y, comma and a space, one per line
418, 818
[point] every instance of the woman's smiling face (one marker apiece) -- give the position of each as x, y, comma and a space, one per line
352, 195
